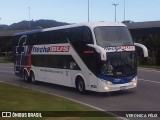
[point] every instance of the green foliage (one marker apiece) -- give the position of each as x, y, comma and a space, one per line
152, 42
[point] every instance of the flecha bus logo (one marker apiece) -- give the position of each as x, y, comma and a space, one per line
47, 49
60, 48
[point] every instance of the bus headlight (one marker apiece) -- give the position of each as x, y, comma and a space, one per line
107, 82
134, 81
106, 88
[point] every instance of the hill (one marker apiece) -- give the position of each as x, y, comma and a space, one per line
33, 25
8, 30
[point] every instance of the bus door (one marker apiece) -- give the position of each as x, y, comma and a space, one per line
67, 77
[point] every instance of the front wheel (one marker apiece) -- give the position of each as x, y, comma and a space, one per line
32, 78
80, 86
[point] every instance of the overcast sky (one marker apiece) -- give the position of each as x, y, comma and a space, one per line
75, 11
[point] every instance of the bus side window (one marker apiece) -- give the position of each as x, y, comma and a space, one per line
75, 35
87, 36
73, 65
69, 63
65, 62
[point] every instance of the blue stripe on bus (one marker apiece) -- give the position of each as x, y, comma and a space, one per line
122, 80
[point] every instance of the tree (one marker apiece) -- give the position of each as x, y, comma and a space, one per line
153, 44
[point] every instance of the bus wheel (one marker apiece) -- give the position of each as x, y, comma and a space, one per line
32, 78
80, 86
26, 77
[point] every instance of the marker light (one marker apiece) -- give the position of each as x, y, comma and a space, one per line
107, 82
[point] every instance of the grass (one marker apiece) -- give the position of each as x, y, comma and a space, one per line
150, 66
5, 59
13, 98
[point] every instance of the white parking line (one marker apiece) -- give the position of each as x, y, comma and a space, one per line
149, 81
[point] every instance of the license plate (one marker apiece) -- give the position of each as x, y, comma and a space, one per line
122, 87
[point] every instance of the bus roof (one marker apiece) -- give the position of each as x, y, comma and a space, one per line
91, 25
27, 32
88, 24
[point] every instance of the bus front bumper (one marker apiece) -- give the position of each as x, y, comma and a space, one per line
105, 86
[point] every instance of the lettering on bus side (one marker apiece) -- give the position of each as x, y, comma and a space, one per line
45, 49
120, 48
41, 49
60, 48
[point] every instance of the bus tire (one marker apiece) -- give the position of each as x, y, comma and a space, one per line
80, 85
32, 77
25, 76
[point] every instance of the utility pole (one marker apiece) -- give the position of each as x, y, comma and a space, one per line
115, 5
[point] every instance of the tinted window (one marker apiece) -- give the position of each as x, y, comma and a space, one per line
119, 64
54, 61
80, 35
113, 36
75, 35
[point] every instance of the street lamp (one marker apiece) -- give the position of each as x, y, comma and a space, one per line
115, 10
124, 10
29, 9
88, 10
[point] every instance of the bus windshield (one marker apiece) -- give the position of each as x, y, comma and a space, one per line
113, 36
119, 64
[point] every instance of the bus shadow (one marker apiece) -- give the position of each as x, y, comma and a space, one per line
113, 94
55, 87
74, 90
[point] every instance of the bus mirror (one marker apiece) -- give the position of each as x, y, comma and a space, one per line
145, 50
99, 50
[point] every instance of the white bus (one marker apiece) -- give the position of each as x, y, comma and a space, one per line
91, 56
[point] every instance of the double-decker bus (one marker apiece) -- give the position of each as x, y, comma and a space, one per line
96, 56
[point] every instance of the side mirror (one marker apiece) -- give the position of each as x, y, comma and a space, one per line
99, 50
145, 50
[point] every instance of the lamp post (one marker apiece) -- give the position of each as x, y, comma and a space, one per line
115, 11
29, 10
124, 10
88, 10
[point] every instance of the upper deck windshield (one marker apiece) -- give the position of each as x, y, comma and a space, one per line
113, 36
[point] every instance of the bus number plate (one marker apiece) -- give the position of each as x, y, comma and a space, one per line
122, 87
